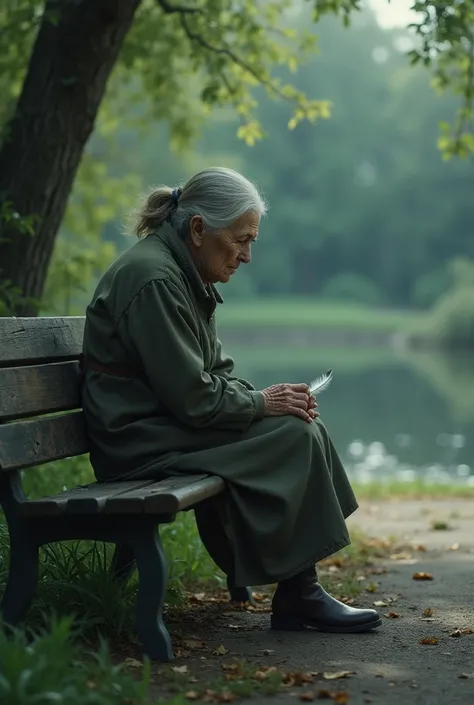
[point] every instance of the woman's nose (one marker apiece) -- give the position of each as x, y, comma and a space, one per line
245, 255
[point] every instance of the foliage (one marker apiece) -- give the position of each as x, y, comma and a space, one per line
10, 295
180, 62
451, 324
47, 668
446, 34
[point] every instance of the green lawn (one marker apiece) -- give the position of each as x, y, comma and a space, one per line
299, 312
284, 357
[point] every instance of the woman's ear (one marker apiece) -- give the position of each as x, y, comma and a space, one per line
196, 228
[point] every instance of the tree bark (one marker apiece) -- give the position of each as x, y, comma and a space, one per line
75, 50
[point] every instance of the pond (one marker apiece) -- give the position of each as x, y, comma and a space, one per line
392, 415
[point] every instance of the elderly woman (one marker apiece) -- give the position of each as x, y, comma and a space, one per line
161, 400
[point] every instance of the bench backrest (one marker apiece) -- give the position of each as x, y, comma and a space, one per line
40, 408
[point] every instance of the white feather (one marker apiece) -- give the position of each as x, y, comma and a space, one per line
321, 382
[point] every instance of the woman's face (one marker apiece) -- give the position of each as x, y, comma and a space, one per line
217, 256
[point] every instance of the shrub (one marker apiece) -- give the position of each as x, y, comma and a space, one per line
47, 667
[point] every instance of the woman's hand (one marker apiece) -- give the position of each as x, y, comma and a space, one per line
290, 399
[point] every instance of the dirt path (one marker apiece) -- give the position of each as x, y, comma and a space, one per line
390, 666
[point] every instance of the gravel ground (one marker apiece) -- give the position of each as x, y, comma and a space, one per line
389, 666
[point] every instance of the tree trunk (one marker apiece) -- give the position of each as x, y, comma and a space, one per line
75, 50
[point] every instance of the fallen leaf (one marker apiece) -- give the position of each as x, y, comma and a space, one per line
372, 587
341, 698
429, 640
191, 695
346, 600
378, 571
422, 576
179, 669
380, 603
260, 597
182, 653
264, 672
402, 556
308, 697
220, 650
132, 662
226, 696
338, 674
419, 547
428, 612
197, 597
298, 678
392, 615
461, 632
454, 547
229, 666
193, 644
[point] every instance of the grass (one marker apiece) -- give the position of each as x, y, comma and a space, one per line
63, 657
411, 490
306, 312
285, 356
49, 667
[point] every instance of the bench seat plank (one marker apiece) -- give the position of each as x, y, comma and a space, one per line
167, 496
90, 497
129, 497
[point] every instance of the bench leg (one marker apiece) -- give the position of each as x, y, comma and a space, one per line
123, 563
153, 578
22, 580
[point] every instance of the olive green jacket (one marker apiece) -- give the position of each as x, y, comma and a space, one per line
151, 310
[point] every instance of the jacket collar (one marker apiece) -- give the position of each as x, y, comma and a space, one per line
178, 248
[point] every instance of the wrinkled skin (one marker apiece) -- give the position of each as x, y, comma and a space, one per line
217, 257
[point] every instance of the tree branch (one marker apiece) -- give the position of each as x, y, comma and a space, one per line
226, 51
181, 9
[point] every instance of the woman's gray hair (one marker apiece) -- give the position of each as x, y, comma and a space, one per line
219, 195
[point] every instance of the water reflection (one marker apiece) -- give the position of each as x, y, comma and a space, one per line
392, 418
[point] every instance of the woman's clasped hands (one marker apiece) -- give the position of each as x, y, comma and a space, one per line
290, 399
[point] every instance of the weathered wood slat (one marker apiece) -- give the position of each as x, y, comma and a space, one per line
35, 340
43, 389
130, 497
167, 497
27, 443
87, 499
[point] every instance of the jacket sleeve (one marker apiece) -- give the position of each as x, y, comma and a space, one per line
224, 366
164, 333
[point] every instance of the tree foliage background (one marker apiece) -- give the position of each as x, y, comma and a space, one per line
363, 204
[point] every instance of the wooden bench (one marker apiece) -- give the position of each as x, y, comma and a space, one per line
40, 421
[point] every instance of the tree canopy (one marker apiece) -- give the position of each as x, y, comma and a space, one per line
67, 66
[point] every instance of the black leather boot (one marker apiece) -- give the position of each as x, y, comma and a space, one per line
302, 602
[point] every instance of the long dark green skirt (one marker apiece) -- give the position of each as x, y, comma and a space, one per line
287, 500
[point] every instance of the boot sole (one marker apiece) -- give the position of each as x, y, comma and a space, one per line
296, 624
